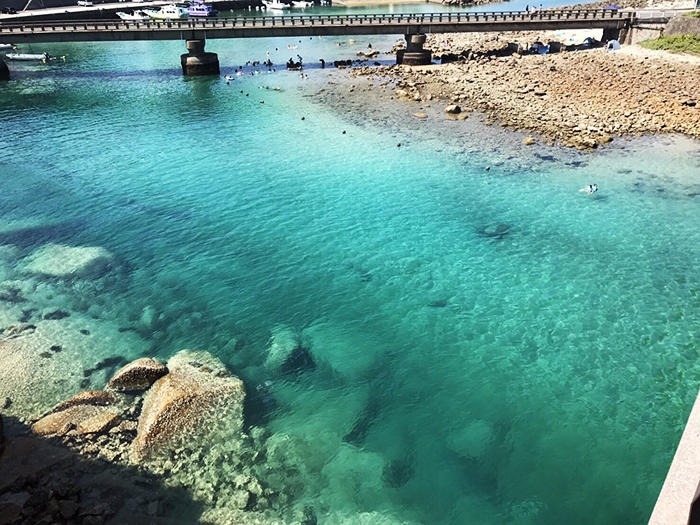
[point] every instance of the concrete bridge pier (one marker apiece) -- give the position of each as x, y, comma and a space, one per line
197, 61
611, 33
414, 54
4, 70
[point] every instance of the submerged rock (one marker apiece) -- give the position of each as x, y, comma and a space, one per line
196, 391
471, 440
494, 231
57, 260
283, 341
300, 360
397, 472
138, 375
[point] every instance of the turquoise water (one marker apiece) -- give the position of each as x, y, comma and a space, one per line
488, 346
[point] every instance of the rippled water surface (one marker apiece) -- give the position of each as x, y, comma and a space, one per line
487, 346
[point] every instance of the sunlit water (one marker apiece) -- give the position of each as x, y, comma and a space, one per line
490, 346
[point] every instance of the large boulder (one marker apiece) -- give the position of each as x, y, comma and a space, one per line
57, 260
138, 375
85, 419
196, 392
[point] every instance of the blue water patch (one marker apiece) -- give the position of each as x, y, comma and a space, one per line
467, 345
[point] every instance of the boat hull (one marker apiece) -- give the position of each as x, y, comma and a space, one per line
26, 56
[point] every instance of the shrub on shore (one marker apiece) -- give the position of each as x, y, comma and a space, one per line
675, 44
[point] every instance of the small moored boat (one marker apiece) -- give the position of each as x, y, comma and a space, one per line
136, 15
167, 12
302, 4
276, 5
29, 56
200, 9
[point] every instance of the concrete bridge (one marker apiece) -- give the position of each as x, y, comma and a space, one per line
414, 26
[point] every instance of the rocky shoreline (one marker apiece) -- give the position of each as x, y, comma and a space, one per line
582, 98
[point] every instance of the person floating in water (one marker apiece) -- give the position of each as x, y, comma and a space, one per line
590, 189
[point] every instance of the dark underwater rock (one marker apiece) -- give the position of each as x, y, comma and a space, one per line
300, 360
397, 472
440, 303
359, 431
494, 231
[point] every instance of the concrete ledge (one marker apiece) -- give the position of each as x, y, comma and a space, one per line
677, 494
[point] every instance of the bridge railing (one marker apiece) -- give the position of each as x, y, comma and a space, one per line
319, 20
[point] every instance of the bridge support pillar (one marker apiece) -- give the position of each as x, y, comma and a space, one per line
197, 61
611, 33
4, 70
414, 54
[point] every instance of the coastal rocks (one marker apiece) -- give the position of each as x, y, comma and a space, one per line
2, 436
86, 397
138, 375
581, 99
84, 418
85, 412
61, 261
196, 388
41, 362
42, 482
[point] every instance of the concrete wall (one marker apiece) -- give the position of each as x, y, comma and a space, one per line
637, 34
678, 491
682, 25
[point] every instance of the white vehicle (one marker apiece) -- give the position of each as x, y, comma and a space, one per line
85, 3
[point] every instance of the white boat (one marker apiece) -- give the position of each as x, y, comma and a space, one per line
7, 46
45, 57
136, 15
276, 5
200, 9
302, 4
167, 12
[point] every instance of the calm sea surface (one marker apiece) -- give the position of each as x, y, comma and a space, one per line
487, 346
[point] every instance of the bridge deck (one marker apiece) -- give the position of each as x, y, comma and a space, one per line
314, 25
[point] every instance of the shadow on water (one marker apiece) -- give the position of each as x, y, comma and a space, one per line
45, 482
34, 235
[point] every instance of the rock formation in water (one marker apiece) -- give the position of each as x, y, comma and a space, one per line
186, 399
61, 261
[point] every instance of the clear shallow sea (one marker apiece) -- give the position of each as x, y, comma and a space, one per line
490, 346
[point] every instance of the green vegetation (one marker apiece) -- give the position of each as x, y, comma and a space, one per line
675, 44
693, 14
